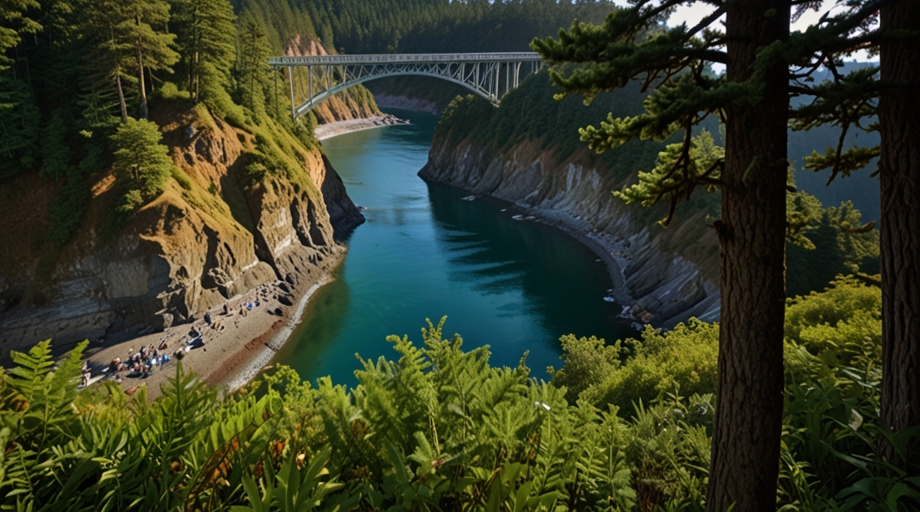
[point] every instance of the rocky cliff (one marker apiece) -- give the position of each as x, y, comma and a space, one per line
214, 233
663, 276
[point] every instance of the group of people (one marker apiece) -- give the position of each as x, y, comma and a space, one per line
142, 362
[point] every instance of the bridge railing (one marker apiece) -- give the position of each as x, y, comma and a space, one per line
407, 57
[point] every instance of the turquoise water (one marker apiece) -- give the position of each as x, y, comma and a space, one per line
425, 253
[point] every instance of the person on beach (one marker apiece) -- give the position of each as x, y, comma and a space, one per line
226, 309
207, 317
84, 378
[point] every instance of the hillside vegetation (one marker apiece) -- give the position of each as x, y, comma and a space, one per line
624, 426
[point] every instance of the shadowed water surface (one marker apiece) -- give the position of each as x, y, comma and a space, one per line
424, 252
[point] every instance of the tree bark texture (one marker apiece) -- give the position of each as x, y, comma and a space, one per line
749, 404
899, 173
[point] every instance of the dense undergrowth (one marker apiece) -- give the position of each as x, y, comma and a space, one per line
621, 427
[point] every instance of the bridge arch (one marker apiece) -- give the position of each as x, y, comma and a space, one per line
482, 73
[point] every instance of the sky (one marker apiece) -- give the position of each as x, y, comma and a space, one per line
693, 13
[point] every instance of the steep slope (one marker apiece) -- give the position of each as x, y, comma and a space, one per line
662, 276
214, 233
669, 275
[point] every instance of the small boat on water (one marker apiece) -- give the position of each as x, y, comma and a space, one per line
517, 217
609, 299
529, 217
469, 198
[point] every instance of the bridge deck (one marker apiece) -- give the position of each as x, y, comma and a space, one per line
404, 57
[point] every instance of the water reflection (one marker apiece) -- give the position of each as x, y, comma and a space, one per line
423, 252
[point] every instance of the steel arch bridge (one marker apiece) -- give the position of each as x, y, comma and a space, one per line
482, 73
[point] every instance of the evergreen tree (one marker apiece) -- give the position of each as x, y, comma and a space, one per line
144, 25
14, 23
19, 126
753, 102
101, 25
142, 163
55, 152
851, 101
205, 34
253, 76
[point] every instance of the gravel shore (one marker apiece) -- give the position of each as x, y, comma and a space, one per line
325, 131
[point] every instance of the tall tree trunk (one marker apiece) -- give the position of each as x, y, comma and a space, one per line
140, 67
749, 405
196, 78
121, 98
899, 173
121, 92
140, 70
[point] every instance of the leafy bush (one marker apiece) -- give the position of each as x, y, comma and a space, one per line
441, 429
438, 429
683, 360
170, 91
830, 332
587, 361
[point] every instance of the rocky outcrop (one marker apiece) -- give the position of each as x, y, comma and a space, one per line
663, 276
218, 235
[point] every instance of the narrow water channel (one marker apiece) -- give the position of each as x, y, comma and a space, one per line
425, 253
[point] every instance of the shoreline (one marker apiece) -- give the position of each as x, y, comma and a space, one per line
235, 348
327, 131
241, 346
605, 246
278, 339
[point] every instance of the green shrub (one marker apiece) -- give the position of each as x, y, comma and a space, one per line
170, 91
683, 360
586, 362
439, 428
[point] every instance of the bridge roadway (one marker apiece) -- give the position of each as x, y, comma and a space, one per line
314, 79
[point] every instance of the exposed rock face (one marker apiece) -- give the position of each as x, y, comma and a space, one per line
188, 250
668, 275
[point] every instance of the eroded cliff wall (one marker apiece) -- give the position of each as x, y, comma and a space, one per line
665, 275
207, 238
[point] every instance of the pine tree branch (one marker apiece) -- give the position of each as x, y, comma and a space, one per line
703, 54
705, 22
